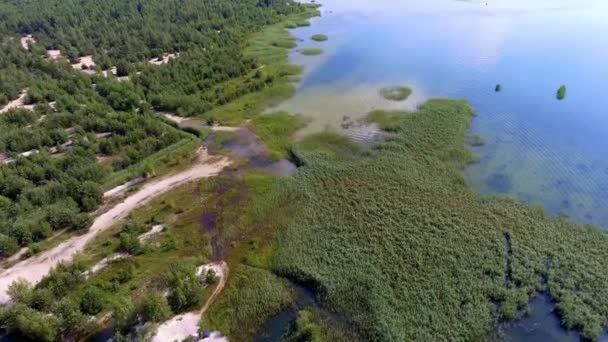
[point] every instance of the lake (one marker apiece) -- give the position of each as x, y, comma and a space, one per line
537, 149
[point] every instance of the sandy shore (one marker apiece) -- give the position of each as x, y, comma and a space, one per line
35, 268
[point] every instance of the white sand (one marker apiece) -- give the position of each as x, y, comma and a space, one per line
182, 326
17, 103
103, 263
35, 268
85, 61
121, 189
147, 235
53, 54
27, 41
166, 58
175, 118
224, 128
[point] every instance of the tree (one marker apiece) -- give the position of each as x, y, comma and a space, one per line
123, 68
8, 245
20, 291
184, 286
154, 307
129, 243
92, 301
69, 315
35, 325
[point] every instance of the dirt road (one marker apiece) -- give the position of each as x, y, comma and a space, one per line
35, 268
182, 326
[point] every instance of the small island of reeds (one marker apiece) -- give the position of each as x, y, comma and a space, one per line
397, 93
319, 37
311, 52
497, 88
561, 92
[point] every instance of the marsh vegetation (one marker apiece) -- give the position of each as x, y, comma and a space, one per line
319, 37
311, 51
561, 92
396, 93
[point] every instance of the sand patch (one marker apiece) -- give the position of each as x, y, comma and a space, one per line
86, 64
122, 189
186, 325
27, 41
18, 103
53, 54
167, 57
103, 263
159, 228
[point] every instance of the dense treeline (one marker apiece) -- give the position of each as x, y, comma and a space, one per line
82, 129
59, 178
207, 36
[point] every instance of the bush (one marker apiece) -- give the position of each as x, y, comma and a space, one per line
92, 301
155, 308
185, 288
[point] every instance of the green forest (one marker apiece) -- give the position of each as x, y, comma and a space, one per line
83, 133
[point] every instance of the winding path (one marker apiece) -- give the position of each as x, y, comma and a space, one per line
182, 326
35, 268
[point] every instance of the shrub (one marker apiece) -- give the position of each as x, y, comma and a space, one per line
154, 307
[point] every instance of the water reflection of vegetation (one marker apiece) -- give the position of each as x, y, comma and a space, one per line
311, 51
398, 242
396, 93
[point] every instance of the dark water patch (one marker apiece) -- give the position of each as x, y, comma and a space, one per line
208, 221
540, 324
499, 182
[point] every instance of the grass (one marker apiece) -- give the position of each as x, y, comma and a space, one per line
276, 130
397, 242
311, 51
397, 93
252, 296
561, 92
319, 37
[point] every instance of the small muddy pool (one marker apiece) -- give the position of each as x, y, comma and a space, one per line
247, 146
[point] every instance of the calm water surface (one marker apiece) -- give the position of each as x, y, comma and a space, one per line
539, 150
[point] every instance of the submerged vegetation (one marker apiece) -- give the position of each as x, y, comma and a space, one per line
319, 37
397, 93
561, 92
497, 88
311, 51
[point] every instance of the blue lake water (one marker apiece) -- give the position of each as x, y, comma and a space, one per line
537, 149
